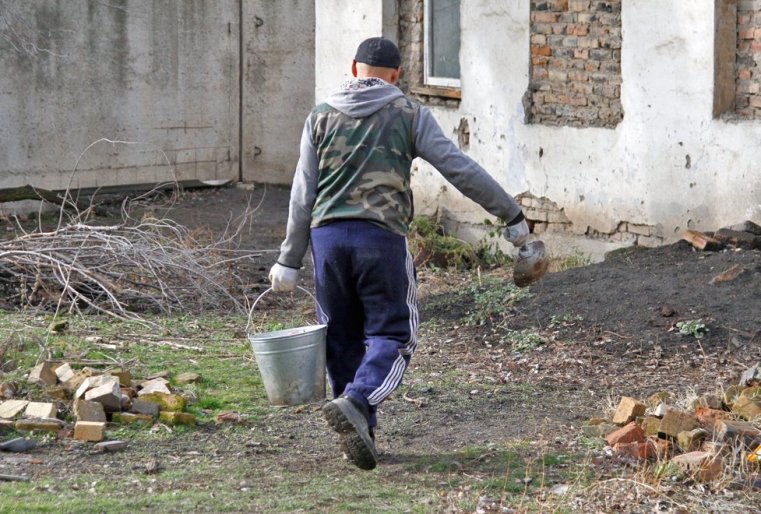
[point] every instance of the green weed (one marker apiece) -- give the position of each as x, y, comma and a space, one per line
493, 299
694, 327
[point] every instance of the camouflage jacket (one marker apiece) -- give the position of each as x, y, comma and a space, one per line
364, 165
356, 152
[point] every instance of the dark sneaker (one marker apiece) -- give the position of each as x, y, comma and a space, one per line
348, 418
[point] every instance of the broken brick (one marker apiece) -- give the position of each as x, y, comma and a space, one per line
144, 407
702, 241
107, 394
738, 238
129, 418
170, 402
730, 431
41, 410
650, 425
43, 374
9, 409
728, 275
626, 434
707, 417
89, 431
628, 409
89, 411
64, 373
46, 425
691, 440
650, 448
174, 418
675, 421
72, 385
157, 385
704, 466
124, 376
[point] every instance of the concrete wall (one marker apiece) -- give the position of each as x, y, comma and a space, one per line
667, 166
278, 86
162, 76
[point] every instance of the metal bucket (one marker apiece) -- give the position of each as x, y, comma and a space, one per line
291, 363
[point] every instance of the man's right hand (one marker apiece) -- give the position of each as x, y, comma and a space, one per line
283, 278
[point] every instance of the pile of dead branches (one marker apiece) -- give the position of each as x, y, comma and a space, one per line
150, 265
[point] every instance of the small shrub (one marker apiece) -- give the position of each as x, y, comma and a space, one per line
432, 247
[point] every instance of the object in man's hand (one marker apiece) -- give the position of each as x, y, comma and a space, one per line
531, 264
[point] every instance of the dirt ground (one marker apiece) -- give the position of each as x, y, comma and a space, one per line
610, 326
621, 312
608, 330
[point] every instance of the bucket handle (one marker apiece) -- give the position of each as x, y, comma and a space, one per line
253, 306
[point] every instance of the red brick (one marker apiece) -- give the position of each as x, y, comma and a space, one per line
744, 74
704, 466
626, 434
541, 50
748, 33
544, 17
645, 450
707, 417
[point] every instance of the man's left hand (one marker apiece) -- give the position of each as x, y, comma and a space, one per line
517, 234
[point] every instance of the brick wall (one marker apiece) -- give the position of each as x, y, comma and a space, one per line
575, 75
545, 216
747, 69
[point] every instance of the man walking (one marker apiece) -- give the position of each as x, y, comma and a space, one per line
351, 198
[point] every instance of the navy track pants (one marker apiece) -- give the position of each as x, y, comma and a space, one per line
366, 294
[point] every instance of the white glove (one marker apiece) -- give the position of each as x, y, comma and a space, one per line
517, 234
283, 278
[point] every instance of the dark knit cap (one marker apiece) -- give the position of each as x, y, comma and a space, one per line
379, 51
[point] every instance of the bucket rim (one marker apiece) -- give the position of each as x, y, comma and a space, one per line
286, 332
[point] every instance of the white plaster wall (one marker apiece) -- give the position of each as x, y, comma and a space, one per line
162, 76
636, 172
341, 25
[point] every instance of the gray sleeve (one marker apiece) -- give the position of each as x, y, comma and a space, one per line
303, 194
460, 170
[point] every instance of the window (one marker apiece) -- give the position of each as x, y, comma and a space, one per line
442, 43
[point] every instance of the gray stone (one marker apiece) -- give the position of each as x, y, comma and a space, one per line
111, 446
20, 444
751, 375
143, 407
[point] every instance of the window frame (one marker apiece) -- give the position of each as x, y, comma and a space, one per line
428, 79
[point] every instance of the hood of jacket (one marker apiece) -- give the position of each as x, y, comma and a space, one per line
359, 98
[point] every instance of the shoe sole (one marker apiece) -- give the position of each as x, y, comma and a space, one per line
347, 421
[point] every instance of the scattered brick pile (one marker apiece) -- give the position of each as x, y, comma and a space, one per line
745, 235
93, 399
695, 442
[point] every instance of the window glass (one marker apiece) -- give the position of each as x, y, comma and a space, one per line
442, 42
